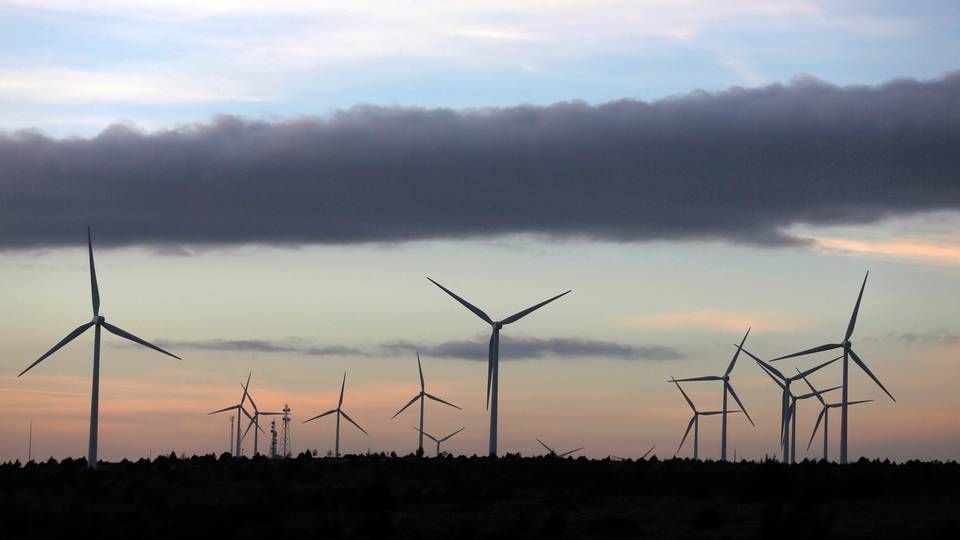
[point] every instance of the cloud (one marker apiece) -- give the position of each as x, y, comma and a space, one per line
717, 320
740, 166
941, 337
520, 348
512, 349
896, 249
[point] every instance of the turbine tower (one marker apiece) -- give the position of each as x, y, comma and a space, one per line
340, 412
493, 359
97, 322
240, 409
787, 401
824, 417
727, 389
694, 423
422, 396
436, 440
848, 354
552, 452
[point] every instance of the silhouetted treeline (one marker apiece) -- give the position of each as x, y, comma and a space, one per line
379, 496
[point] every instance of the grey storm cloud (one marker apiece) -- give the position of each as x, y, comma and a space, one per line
521, 348
741, 165
513, 349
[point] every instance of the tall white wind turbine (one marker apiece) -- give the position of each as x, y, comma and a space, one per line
493, 359
787, 398
848, 354
423, 395
727, 389
339, 412
824, 417
436, 440
97, 322
554, 453
239, 407
694, 422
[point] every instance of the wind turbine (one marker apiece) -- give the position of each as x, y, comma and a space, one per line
340, 412
694, 422
255, 420
824, 417
787, 401
727, 389
422, 396
97, 322
436, 440
848, 353
240, 409
554, 453
493, 359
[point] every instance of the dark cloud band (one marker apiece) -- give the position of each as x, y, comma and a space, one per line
740, 165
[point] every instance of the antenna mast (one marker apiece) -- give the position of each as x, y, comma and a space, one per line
273, 439
230, 435
285, 447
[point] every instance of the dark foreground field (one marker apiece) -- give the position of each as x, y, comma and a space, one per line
382, 497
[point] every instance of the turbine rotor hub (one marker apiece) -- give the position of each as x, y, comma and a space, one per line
497, 325
99, 319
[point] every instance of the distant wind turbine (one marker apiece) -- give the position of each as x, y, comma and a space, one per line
340, 412
848, 354
787, 402
824, 417
727, 389
255, 421
422, 396
493, 361
694, 422
552, 452
436, 440
239, 407
97, 322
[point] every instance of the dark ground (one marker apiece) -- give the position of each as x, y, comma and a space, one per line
382, 497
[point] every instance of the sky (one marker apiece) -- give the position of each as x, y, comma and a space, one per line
269, 188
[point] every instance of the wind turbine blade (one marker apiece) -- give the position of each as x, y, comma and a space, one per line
225, 409
127, 335
246, 413
435, 398
812, 389
250, 397
70, 337
411, 402
870, 373
685, 433
517, 316
821, 348
816, 393
565, 454
770, 369
342, 386
354, 423
766, 369
94, 289
856, 310
704, 378
685, 396
249, 425
452, 434
431, 437
814, 368
543, 444
477, 311
740, 403
733, 362
420, 368
647, 453
331, 411
816, 426
859, 401
271, 414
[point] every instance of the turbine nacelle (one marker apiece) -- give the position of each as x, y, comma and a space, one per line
497, 325
99, 319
